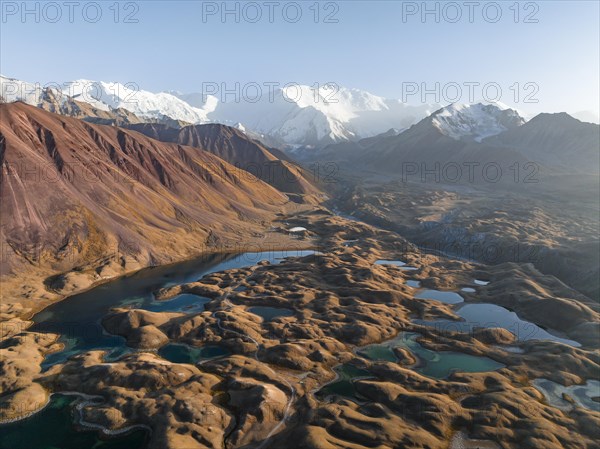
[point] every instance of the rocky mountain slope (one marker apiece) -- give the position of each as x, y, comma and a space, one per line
475, 121
75, 193
558, 140
270, 165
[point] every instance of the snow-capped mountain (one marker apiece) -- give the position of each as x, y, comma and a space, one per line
109, 96
303, 115
450, 137
442, 146
475, 121
297, 116
142, 103
12, 90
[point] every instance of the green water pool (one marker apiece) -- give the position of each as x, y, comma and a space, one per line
53, 428
438, 365
182, 353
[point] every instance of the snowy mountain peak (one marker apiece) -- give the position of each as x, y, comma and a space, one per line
316, 116
108, 96
240, 127
12, 90
144, 104
475, 121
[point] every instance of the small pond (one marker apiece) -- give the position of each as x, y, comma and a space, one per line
395, 263
441, 296
434, 364
344, 384
586, 395
270, 313
182, 353
185, 302
490, 315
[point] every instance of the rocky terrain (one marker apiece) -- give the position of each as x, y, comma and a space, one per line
554, 228
264, 393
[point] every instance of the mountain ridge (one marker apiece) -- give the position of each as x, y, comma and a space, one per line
232, 145
75, 193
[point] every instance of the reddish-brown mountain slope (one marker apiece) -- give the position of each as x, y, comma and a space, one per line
232, 145
73, 192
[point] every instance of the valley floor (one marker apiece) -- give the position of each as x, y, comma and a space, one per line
286, 329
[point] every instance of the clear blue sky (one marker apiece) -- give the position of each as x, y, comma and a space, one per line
371, 47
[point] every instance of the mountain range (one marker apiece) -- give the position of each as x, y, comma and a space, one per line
486, 135
326, 122
292, 116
